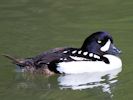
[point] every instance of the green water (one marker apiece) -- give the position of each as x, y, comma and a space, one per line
29, 27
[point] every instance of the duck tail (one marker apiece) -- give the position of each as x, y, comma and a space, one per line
13, 59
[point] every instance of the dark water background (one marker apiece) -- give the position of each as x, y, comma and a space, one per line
29, 27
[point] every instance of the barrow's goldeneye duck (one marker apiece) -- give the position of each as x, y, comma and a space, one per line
96, 54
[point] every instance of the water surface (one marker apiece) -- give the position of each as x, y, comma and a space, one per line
29, 27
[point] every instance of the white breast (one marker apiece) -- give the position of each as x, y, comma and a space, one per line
75, 67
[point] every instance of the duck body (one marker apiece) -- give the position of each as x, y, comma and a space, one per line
97, 54
90, 66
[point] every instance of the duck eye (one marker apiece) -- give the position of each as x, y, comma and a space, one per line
99, 41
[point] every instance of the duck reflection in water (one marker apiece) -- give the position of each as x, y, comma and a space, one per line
105, 80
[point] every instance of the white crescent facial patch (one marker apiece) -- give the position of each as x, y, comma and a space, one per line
106, 46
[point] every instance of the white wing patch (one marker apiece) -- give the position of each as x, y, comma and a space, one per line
79, 52
78, 58
106, 46
85, 53
73, 52
65, 51
91, 54
96, 56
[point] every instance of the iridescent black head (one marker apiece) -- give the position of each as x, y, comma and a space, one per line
100, 43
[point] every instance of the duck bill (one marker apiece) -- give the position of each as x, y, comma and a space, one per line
114, 51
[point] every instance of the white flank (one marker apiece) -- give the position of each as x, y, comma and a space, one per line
75, 67
106, 46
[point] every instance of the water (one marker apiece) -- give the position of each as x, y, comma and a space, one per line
29, 27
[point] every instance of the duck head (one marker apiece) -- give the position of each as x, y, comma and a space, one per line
100, 43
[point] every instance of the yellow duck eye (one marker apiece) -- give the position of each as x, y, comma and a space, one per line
99, 41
